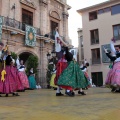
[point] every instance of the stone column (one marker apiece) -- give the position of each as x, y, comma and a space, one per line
43, 16
65, 25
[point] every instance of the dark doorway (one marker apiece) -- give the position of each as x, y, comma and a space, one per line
24, 56
53, 26
97, 78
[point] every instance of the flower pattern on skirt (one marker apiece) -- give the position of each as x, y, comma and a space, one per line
73, 76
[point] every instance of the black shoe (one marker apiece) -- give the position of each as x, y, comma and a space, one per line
0, 96
15, 94
113, 90
117, 91
59, 94
71, 94
6, 95
82, 93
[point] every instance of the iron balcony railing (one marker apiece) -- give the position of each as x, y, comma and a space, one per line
96, 61
52, 36
17, 24
20, 25
94, 41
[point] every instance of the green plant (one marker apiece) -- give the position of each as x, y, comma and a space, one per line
14, 55
32, 62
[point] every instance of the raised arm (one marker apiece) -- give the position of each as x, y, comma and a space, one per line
112, 47
18, 63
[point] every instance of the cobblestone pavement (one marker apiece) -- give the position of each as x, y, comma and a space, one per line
98, 104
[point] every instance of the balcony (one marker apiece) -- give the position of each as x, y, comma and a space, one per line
95, 61
51, 36
94, 41
21, 26
16, 24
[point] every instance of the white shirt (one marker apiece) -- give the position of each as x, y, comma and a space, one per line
57, 45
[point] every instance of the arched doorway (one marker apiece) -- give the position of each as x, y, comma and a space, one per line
24, 56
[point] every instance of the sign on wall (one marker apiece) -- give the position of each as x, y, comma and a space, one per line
30, 37
1, 21
105, 59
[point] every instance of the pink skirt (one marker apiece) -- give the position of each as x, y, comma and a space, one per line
10, 84
24, 79
113, 76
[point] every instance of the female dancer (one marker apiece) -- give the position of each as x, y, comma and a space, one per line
72, 77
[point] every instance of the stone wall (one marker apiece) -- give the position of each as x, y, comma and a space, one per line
41, 19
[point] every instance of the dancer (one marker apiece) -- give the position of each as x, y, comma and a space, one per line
1, 60
113, 77
59, 48
8, 83
85, 70
52, 84
60, 67
22, 74
32, 81
72, 77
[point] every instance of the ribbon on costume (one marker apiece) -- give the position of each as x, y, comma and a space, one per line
3, 73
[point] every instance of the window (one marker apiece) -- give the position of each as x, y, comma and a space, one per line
96, 56
100, 11
82, 54
97, 78
27, 17
116, 32
53, 26
106, 9
81, 41
93, 15
94, 36
115, 9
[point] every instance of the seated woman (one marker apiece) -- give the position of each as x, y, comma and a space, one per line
32, 81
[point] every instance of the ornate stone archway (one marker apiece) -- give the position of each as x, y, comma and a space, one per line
27, 50
55, 14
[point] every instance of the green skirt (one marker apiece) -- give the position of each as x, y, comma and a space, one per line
73, 76
32, 82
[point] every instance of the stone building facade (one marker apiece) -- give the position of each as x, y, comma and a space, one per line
44, 16
80, 46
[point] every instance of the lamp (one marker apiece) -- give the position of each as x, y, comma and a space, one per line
48, 56
53, 53
13, 6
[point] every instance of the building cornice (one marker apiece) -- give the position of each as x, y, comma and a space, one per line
97, 5
29, 4
63, 3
